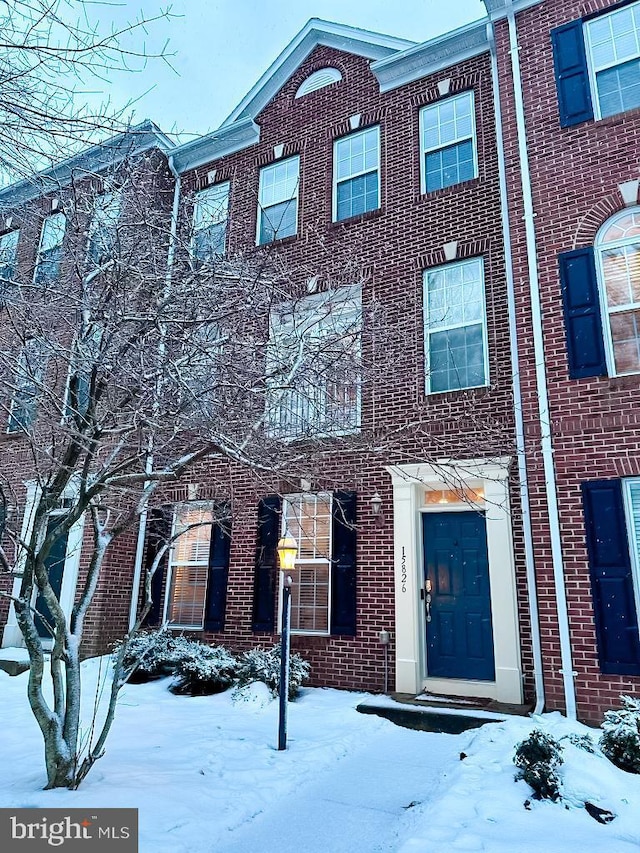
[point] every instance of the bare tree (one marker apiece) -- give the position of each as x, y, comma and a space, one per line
53, 54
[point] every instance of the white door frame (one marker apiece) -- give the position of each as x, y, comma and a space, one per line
409, 486
12, 636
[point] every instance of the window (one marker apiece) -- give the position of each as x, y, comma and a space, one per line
307, 517
448, 142
103, 231
50, 251
8, 253
86, 357
278, 201
455, 327
210, 216
618, 251
28, 381
356, 174
613, 49
189, 566
313, 365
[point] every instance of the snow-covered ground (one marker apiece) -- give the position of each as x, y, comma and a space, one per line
207, 778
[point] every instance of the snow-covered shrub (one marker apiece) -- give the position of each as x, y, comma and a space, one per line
153, 654
204, 670
264, 665
581, 741
538, 757
620, 741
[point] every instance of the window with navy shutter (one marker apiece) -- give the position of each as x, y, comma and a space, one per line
218, 577
612, 583
581, 304
572, 74
158, 533
266, 571
343, 564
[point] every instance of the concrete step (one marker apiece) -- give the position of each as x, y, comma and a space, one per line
14, 661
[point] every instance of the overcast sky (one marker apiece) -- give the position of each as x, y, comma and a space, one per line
220, 48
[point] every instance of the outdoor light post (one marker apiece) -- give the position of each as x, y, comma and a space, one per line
287, 553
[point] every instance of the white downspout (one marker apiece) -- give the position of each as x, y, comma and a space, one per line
546, 445
517, 392
142, 528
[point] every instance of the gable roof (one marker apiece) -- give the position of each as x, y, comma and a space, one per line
315, 32
96, 158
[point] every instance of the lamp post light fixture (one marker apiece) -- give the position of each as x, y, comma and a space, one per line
287, 555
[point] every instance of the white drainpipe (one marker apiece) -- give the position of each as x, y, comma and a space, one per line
517, 392
142, 528
567, 671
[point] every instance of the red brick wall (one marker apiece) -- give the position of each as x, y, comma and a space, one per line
596, 422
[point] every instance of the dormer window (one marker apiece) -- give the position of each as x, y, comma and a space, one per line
318, 80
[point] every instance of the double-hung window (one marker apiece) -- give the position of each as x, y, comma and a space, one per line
278, 201
448, 142
27, 385
103, 230
189, 565
8, 254
50, 250
455, 327
613, 51
313, 365
210, 217
307, 517
356, 174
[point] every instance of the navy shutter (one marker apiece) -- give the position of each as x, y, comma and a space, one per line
158, 532
582, 320
264, 587
572, 74
614, 607
343, 564
218, 571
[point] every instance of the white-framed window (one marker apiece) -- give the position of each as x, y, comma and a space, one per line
448, 134
8, 255
618, 267
28, 377
103, 229
455, 327
356, 173
613, 55
210, 219
313, 365
188, 569
50, 249
632, 501
85, 357
278, 200
307, 517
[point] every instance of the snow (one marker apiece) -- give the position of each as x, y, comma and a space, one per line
206, 777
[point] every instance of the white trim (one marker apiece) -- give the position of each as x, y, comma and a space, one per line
409, 482
12, 636
318, 80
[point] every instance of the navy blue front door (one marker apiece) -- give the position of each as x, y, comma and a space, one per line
55, 567
456, 569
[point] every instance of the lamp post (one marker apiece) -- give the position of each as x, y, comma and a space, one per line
287, 554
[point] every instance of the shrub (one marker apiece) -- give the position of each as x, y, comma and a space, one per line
538, 757
264, 665
205, 670
620, 741
153, 654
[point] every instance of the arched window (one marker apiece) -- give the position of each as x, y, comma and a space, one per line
318, 80
618, 264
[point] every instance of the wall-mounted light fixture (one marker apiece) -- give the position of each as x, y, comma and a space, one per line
375, 503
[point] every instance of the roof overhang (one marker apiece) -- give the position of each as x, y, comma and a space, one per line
222, 142
432, 56
315, 32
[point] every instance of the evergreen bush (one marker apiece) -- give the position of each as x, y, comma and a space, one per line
264, 665
538, 757
153, 654
620, 740
204, 670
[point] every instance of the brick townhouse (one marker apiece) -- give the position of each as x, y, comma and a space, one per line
497, 538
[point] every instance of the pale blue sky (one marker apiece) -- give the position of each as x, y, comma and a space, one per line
222, 47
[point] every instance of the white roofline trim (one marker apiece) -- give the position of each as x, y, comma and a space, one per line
222, 142
315, 32
432, 56
497, 9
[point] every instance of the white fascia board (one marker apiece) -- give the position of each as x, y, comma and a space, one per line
315, 32
497, 9
432, 56
220, 143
